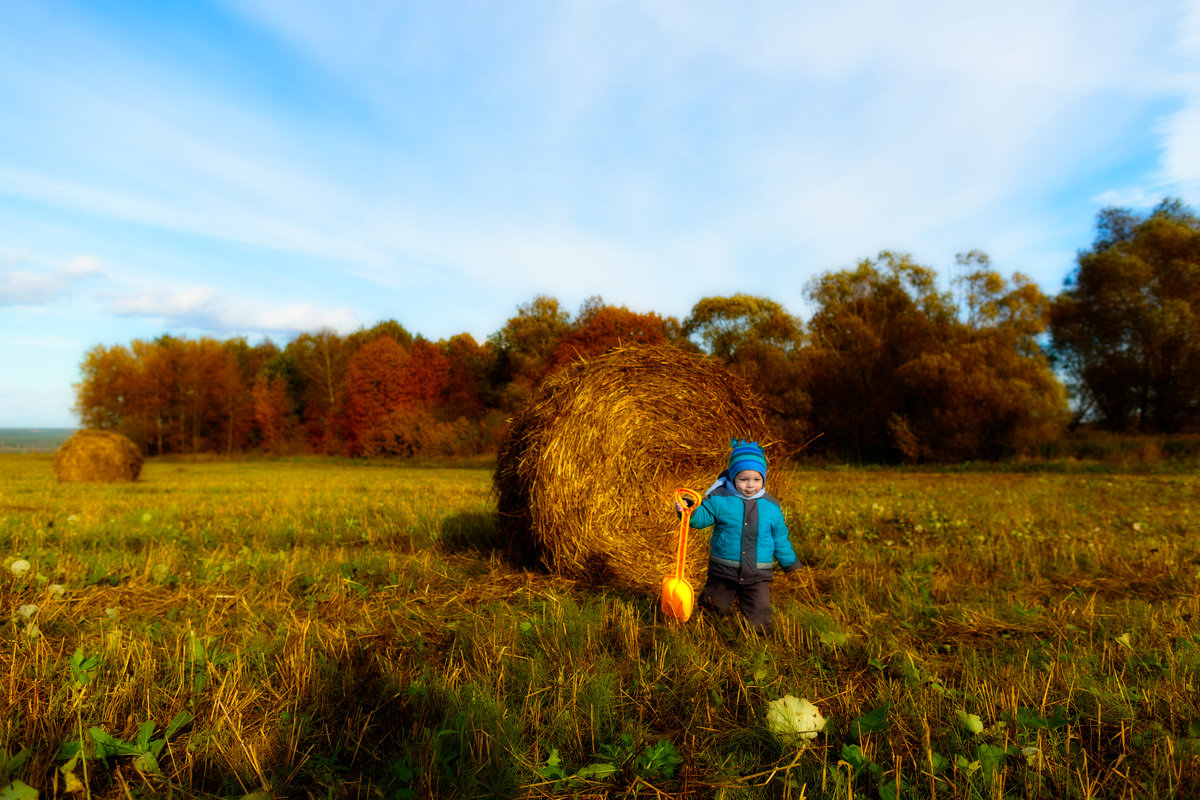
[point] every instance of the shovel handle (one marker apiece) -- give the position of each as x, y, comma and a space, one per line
686, 516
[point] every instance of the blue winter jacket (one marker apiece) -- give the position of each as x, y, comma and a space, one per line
748, 536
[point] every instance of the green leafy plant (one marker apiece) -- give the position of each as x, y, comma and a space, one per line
873, 721
10, 764
18, 790
991, 759
561, 777
145, 750
82, 668
660, 760
10, 787
1027, 718
204, 654
401, 771
853, 757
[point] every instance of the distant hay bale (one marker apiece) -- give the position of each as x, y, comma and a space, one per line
98, 456
586, 475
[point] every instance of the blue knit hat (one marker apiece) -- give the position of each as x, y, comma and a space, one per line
746, 455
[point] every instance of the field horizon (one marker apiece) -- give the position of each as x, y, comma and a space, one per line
33, 440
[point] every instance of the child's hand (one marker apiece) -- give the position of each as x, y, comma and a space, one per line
679, 505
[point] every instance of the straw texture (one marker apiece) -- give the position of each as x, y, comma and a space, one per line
586, 475
98, 456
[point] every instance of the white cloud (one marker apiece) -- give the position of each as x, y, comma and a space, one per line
42, 284
26, 288
1181, 156
208, 308
13, 257
1138, 197
644, 150
598, 147
1178, 132
82, 266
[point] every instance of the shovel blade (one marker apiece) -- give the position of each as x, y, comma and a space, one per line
677, 598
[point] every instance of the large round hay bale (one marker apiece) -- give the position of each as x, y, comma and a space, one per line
586, 475
99, 456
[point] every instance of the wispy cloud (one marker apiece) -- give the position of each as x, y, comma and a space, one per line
82, 266
38, 284
23, 287
209, 309
545, 143
271, 166
1181, 131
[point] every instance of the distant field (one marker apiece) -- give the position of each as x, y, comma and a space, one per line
310, 628
33, 440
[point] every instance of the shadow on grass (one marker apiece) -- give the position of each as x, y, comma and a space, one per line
484, 535
374, 722
473, 531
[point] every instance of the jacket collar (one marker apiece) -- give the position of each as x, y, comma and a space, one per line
728, 484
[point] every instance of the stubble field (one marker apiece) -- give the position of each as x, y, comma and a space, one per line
314, 628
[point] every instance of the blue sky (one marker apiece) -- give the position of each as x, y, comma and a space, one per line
265, 167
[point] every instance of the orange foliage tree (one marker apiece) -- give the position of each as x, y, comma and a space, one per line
424, 378
599, 327
170, 395
897, 370
105, 396
465, 388
1126, 327
272, 410
374, 387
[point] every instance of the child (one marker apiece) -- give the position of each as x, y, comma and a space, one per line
749, 535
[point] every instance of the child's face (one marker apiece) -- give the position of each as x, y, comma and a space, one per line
748, 482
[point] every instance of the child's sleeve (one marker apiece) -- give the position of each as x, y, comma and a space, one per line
784, 553
702, 515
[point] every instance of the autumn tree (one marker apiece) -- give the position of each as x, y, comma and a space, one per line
121, 390
157, 406
246, 360
524, 346
725, 325
1126, 327
897, 370
106, 394
272, 410
424, 377
170, 395
599, 327
989, 390
869, 321
321, 360
759, 339
388, 327
212, 390
374, 387
466, 389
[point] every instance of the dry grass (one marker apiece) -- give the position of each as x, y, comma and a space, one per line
354, 631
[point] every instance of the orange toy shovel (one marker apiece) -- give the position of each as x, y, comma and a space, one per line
677, 597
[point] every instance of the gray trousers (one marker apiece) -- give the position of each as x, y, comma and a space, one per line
753, 598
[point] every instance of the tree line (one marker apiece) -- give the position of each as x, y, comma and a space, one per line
889, 366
